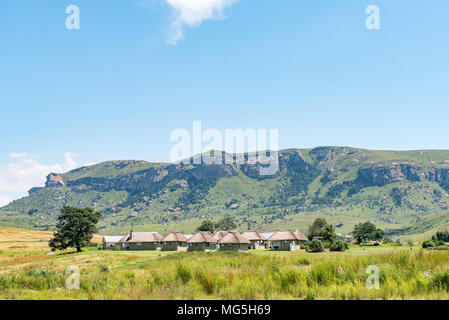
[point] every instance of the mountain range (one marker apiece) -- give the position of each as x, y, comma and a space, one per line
403, 192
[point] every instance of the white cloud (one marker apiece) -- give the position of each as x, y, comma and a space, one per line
192, 13
25, 172
70, 163
4, 200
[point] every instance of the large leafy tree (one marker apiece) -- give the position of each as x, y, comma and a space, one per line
206, 225
320, 228
75, 228
364, 232
226, 224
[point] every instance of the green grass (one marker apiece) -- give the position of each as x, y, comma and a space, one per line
258, 274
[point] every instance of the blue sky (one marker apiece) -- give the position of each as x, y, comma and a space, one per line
117, 88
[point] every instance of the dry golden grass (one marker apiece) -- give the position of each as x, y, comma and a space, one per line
21, 248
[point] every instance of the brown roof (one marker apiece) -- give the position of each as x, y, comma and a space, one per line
142, 237
300, 235
175, 236
253, 235
284, 235
234, 237
218, 235
202, 236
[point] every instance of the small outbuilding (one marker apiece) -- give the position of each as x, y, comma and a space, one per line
201, 241
233, 241
174, 241
141, 241
256, 239
110, 242
286, 240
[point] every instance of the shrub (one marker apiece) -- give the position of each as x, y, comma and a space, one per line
339, 246
314, 246
428, 244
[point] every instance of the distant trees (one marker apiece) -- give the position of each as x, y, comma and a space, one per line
206, 225
442, 236
226, 224
364, 232
321, 229
437, 240
75, 228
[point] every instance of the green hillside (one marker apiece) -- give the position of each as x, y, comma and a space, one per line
405, 192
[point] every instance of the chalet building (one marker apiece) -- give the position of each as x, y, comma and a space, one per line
218, 235
267, 236
233, 241
141, 241
110, 242
302, 238
201, 241
174, 241
256, 239
286, 240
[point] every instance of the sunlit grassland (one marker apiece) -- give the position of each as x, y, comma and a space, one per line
28, 272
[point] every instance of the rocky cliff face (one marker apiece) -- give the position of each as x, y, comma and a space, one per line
153, 177
54, 180
438, 174
380, 175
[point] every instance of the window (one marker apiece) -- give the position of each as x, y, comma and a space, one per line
138, 244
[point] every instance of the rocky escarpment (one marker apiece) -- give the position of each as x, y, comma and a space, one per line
438, 174
153, 177
324, 154
54, 180
381, 175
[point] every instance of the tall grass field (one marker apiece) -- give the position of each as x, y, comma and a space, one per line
27, 271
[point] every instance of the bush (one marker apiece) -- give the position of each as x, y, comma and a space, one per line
314, 246
428, 244
339, 246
